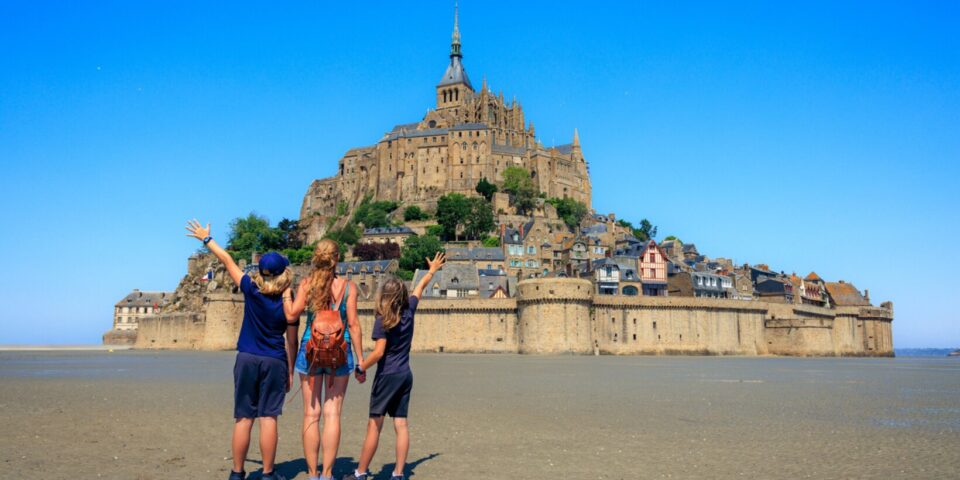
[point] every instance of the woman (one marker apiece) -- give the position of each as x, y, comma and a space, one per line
322, 291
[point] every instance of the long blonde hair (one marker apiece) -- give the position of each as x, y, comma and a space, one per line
392, 299
272, 284
324, 263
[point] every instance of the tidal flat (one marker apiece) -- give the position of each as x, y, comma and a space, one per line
164, 415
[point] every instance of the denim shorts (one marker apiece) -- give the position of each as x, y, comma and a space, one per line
302, 367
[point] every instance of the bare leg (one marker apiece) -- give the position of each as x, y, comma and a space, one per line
268, 442
311, 421
403, 444
370, 443
241, 442
332, 403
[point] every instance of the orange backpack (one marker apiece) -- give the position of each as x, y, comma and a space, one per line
327, 347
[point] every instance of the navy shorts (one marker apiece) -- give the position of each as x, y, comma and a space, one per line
259, 386
390, 395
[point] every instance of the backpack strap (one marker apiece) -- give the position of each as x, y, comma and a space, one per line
346, 291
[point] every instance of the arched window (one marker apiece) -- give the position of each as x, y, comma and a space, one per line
474, 146
630, 290
444, 96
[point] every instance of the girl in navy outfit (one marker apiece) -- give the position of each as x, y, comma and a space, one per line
390, 394
263, 370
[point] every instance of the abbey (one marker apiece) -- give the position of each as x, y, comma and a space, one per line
467, 136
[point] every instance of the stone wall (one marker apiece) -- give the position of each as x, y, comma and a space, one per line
563, 315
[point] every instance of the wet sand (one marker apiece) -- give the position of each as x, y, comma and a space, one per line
165, 415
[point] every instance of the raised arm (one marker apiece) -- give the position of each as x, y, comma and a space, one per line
434, 266
203, 234
293, 307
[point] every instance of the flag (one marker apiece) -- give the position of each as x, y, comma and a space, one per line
207, 276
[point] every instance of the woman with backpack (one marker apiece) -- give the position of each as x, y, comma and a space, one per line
329, 351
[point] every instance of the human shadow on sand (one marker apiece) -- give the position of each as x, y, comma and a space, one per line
343, 466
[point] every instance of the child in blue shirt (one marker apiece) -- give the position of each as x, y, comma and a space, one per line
263, 370
390, 395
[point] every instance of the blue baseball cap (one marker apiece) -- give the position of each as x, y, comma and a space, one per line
272, 263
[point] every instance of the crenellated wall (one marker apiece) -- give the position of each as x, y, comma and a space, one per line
562, 315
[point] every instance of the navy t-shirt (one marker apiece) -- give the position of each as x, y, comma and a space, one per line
264, 322
396, 358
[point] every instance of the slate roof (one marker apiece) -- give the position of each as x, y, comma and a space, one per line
689, 248
565, 149
477, 254
137, 298
388, 230
455, 74
451, 276
491, 272
469, 126
845, 294
626, 271
497, 148
509, 231
373, 266
404, 126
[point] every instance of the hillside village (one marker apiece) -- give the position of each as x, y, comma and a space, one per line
472, 179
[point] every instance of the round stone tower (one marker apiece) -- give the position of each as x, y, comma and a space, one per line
554, 315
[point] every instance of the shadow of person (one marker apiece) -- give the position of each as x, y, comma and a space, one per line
292, 468
408, 471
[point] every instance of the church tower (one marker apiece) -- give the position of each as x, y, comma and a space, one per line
454, 88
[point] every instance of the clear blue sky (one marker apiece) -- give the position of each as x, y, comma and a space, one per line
818, 137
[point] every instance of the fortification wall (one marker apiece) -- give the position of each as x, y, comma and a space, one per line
175, 331
562, 315
678, 325
224, 316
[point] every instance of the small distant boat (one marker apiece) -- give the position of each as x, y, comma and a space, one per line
955, 353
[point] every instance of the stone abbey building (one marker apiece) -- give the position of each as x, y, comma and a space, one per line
469, 135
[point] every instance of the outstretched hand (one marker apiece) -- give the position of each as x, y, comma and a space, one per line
437, 263
197, 231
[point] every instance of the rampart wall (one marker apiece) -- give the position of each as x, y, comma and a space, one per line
561, 315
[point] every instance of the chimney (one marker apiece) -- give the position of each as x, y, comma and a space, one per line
503, 232
866, 295
522, 225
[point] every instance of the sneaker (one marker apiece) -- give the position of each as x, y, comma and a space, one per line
397, 477
356, 476
274, 476
237, 476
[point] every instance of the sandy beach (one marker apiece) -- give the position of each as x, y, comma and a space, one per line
164, 415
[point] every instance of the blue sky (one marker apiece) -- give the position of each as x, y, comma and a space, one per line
820, 136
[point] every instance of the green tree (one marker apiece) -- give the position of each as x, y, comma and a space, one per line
570, 210
452, 210
373, 214
290, 233
416, 249
414, 213
435, 230
252, 234
645, 232
671, 237
479, 221
486, 188
348, 235
491, 242
523, 193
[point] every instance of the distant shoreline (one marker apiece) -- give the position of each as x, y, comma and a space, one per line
67, 348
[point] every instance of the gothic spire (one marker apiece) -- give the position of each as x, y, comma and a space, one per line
576, 138
455, 73
455, 43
